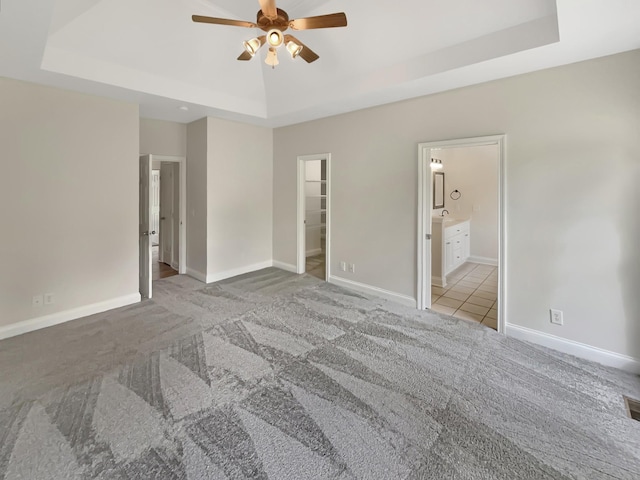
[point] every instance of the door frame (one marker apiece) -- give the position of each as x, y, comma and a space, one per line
182, 261
301, 258
423, 293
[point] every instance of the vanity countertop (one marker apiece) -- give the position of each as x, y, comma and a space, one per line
448, 221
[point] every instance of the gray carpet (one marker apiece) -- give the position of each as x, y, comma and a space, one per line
277, 376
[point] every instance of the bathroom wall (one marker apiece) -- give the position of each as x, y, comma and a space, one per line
474, 172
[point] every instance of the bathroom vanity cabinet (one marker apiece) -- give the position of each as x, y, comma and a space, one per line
450, 247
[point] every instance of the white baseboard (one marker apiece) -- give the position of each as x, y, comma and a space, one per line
315, 251
197, 275
605, 357
483, 260
216, 277
438, 281
175, 266
67, 315
370, 290
285, 266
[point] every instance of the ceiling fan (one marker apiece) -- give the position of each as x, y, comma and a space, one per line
275, 22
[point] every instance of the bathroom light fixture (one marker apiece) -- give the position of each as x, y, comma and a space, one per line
436, 164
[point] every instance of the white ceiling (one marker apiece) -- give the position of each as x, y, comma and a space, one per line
150, 52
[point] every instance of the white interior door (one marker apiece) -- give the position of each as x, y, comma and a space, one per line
176, 217
145, 226
166, 213
155, 206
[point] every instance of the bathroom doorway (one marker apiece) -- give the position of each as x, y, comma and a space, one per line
461, 268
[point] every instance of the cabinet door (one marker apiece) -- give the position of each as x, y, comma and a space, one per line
457, 251
466, 246
448, 256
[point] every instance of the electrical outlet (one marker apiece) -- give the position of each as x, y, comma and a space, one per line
556, 316
352, 267
48, 299
343, 266
37, 300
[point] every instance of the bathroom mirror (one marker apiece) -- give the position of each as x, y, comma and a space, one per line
438, 190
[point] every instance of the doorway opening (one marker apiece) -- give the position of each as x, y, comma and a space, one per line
314, 213
162, 219
461, 215
165, 218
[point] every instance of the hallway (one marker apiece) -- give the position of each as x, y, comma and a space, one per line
160, 270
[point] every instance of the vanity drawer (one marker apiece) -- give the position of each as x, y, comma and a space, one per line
457, 229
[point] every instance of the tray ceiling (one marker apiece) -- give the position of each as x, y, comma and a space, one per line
150, 52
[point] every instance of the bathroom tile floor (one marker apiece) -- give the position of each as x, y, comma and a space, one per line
471, 293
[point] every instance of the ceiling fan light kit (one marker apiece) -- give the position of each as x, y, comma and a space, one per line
272, 58
275, 37
275, 21
293, 48
252, 46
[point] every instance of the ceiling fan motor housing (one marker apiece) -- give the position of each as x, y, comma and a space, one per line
281, 22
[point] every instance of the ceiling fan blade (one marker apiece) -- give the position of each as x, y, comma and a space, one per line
245, 56
322, 21
306, 53
268, 8
222, 21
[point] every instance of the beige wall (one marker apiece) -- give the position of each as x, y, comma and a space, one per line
240, 192
197, 158
229, 198
572, 197
68, 200
158, 137
473, 171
